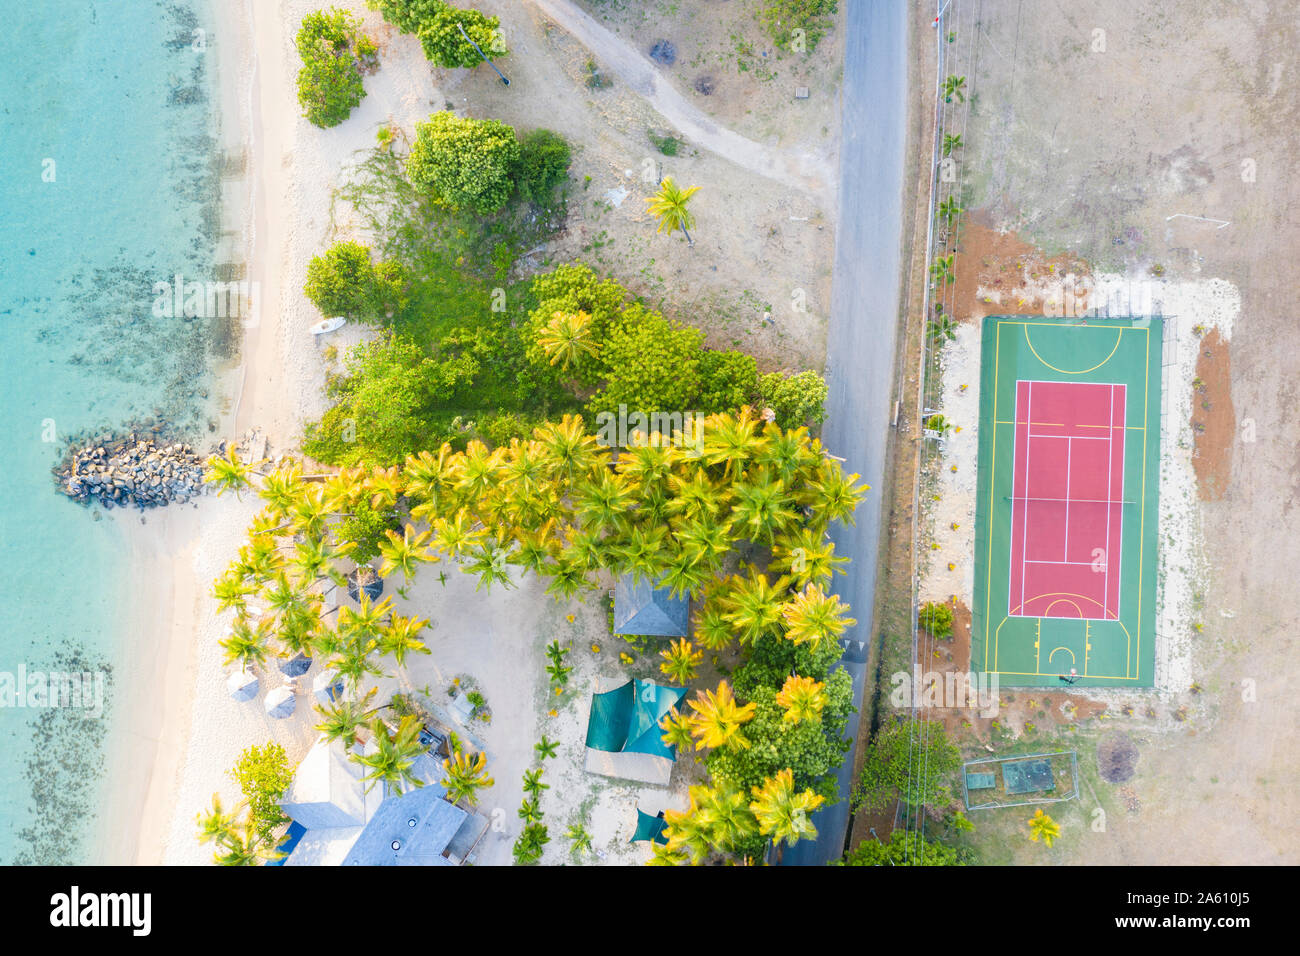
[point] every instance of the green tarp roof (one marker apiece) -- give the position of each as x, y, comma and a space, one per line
626, 719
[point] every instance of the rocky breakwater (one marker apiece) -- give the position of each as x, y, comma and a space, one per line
139, 470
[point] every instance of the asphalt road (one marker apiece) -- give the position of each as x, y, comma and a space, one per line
863, 331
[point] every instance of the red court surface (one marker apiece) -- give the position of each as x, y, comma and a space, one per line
1067, 514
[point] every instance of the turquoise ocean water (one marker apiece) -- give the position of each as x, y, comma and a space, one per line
109, 176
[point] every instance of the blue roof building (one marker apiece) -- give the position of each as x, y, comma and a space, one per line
336, 822
641, 608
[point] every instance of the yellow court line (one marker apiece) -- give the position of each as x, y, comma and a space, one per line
1119, 334
1032, 674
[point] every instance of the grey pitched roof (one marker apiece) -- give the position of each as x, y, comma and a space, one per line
641, 608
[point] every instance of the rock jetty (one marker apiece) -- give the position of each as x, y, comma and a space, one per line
140, 470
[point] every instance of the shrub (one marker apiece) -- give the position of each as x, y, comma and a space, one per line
543, 165
464, 163
937, 619
796, 400
329, 83
338, 282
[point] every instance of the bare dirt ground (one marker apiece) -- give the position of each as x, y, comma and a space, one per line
1096, 133
759, 275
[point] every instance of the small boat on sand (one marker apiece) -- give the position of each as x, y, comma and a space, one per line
328, 325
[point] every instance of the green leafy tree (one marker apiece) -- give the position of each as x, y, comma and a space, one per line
446, 46
728, 380
543, 165
651, 365
914, 763
797, 399
344, 281
264, 776
332, 51
906, 849
464, 163
367, 527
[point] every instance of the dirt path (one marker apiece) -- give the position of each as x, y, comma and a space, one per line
813, 172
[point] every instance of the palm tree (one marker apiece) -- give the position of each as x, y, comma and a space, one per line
570, 451
546, 747
951, 141
712, 629
783, 814
832, 496
668, 205
454, 536
949, 210
954, 86
533, 785
228, 473
566, 339
726, 816
394, 755
762, 508
752, 606
732, 440
530, 811
642, 552
405, 552
605, 501
941, 328
230, 590
718, 718
812, 616
1041, 825
687, 835
401, 637
465, 776
941, 269
245, 846
680, 661
246, 643
806, 556
281, 488
802, 698
341, 719
678, 730
216, 823
568, 576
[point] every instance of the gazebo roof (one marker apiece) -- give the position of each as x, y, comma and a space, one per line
641, 608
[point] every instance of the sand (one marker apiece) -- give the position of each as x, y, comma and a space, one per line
178, 731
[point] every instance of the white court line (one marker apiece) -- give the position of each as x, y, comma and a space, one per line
1068, 446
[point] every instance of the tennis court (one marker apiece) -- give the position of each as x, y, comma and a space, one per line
1068, 489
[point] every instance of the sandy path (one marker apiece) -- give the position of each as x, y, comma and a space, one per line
810, 172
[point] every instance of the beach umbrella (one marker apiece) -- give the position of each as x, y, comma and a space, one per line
242, 685
296, 666
327, 686
281, 701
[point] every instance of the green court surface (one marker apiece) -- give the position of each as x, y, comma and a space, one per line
1066, 514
